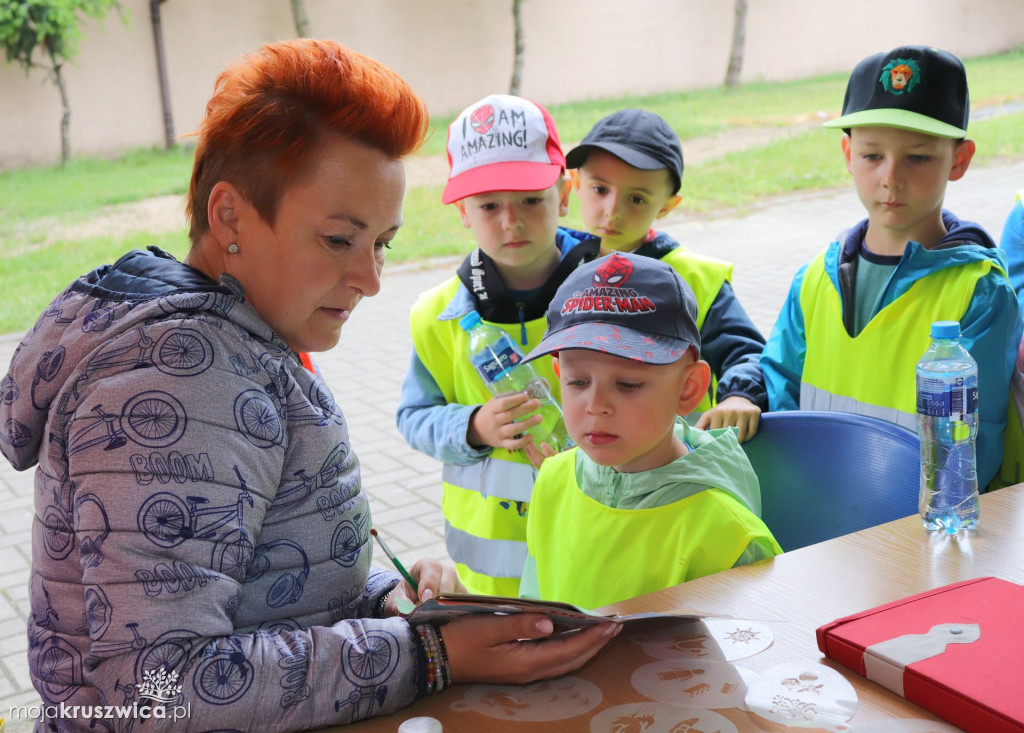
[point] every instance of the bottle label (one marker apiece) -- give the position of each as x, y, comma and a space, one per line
496, 361
937, 399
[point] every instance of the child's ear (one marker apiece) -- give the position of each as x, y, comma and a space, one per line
846, 143
564, 187
672, 203
962, 154
574, 176
461, 206
554, 365
695, 386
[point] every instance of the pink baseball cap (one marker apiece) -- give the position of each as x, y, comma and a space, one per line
502, 143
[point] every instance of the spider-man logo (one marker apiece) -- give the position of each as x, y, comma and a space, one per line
614, 273
482, 119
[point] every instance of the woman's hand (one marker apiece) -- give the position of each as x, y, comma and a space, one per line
516, 649
432, 577
494, 423
735, 411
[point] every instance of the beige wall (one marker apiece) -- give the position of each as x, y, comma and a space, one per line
456, 51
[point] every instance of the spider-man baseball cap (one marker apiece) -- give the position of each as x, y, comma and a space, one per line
625, 305
912, 87
502, 143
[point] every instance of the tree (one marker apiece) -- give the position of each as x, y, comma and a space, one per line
739, 39
301, 19
520, 48
52, 28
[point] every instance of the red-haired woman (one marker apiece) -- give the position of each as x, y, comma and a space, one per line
201, 541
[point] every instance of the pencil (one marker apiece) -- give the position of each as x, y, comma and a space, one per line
401, 568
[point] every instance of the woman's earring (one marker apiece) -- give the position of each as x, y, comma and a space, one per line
233, 249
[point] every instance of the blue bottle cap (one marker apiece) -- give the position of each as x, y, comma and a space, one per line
946, 330
469, 321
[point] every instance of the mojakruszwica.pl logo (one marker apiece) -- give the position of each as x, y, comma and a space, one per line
159, 696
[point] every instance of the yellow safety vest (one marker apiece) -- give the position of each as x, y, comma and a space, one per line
591, 555
874, 373
705, 276
484, 503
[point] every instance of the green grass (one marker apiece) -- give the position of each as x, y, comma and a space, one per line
89, 183
700, 112
430, 230
35, 265
692, 114
32, 278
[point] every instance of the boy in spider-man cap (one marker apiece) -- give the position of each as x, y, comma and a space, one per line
507, 182
645, 501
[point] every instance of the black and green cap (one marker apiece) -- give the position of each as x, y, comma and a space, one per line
912, 87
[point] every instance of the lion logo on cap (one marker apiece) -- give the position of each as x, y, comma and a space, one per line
900, 75
614, 273
482, 119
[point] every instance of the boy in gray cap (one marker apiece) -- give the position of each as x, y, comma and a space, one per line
623, 333
627, 172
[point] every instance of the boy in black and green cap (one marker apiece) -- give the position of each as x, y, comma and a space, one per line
857, 317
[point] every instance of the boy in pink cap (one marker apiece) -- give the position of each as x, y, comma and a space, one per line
507, 180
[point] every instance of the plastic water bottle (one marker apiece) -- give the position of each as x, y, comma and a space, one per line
947, 423
499, 362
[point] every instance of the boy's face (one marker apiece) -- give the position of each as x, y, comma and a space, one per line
901, 177
619, 202
621, 412
517, 229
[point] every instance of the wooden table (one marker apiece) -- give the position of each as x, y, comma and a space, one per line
794, 594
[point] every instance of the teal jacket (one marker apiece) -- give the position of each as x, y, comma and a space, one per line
990, 329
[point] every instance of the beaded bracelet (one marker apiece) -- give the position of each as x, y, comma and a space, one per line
440, 678
445, 667
424, 632
438, 673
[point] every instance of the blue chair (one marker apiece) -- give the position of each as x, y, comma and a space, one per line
826, 474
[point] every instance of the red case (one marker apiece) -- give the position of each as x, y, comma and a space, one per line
976, 685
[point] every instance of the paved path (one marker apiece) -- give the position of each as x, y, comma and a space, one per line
768, 244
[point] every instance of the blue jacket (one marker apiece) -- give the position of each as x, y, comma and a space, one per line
1012, 243
990, 329
729, 341
427, 421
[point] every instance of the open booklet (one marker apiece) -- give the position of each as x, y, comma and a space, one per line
448, 606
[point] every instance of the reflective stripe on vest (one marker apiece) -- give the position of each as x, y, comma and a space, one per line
705, 276
484, 503
493, 478
497, 558
591, 555
812, 398
875, 372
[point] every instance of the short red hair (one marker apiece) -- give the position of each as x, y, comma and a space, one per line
271, 110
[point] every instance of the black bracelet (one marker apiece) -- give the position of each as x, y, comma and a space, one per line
382, 602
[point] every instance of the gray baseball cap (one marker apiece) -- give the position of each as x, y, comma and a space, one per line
626, 305
641, 138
